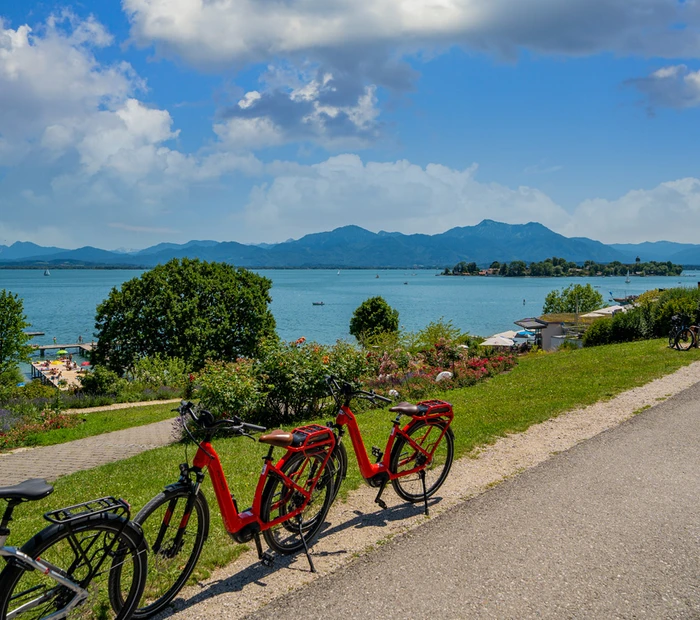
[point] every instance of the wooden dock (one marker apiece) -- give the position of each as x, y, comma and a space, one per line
82, 348
57, 374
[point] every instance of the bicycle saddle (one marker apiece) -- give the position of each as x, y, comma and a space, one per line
278, 438
27, 491
407, 409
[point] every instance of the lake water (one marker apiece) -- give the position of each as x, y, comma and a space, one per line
63, 304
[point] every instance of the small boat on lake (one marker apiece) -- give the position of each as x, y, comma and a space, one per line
318, 303
47, 272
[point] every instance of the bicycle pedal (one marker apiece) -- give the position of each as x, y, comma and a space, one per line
377, 453
267, 559
381, 502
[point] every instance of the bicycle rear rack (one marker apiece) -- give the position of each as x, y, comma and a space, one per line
93, 507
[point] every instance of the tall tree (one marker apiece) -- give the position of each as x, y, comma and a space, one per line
191, 309
13, 341
573, 298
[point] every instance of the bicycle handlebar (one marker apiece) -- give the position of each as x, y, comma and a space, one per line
206, 420
347, 390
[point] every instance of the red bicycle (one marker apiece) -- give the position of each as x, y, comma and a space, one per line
290, 504
417, 456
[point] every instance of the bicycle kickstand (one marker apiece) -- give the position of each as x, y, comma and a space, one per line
425, 492
378, 499
266, 558
306, 547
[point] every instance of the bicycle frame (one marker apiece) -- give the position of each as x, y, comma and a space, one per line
242, 526
381, 470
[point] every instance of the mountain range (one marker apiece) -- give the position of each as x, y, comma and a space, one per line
352, 246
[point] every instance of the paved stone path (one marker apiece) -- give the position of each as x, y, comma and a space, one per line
50, 462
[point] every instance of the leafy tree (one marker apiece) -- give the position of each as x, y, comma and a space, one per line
503, 269
373, 316
191, 309
13, 341
517, 268
573, 298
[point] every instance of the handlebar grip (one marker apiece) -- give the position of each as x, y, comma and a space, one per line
383, 398
253, 427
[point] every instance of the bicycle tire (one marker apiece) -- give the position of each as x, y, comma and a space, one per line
279, 499
685, 340
338, 465
673, 334
403, 456
165, 578
54, 544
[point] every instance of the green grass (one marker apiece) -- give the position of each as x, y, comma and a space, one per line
99, 422
540, 387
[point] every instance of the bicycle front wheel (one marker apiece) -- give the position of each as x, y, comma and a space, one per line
173, 550
685, 340
90, 553
405, 457
280, 498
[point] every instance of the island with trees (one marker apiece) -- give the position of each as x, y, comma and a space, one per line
560, 267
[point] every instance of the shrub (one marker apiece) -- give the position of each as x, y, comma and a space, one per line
599, 332
101, 381
294, 373
373, 316
158, 370
230, 388
23, 433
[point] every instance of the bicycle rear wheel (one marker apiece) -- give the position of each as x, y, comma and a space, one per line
280, 498
89, 553
405, 457
171, 559
685, 340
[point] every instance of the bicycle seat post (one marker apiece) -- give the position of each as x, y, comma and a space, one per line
6, 518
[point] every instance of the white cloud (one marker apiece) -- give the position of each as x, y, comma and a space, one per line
408, 198
301, 105
387, 195
230, 31
668, 211
51, 78
675, 86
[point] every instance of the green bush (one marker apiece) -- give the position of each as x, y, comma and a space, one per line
101, 381
230, 388
373, 316
599, 332
158, 370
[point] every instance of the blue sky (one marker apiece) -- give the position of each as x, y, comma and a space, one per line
127, 124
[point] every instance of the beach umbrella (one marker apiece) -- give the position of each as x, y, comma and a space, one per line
497, 341
62, 352
84, 363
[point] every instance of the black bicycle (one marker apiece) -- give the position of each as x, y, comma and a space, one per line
63, 571
682, 335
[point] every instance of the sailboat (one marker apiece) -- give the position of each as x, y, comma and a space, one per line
627, 279
47, 272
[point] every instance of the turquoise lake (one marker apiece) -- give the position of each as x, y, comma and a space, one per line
63, 304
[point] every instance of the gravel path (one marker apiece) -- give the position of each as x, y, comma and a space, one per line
358, 525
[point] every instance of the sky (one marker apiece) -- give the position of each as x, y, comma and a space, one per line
125, 124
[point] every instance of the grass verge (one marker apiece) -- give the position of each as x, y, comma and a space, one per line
99, 422
539, 388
